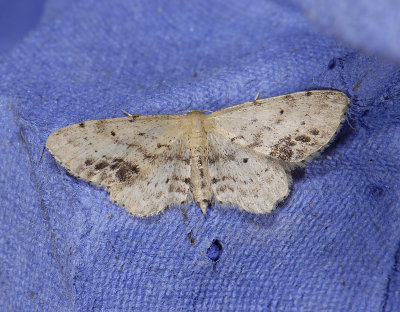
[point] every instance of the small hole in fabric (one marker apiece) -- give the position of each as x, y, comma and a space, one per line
215, 250
332, 64
376, 191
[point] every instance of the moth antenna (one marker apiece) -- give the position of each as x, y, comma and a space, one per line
189, 111
257, 95
130, 115
183, 111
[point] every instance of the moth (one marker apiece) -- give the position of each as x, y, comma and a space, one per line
240, 155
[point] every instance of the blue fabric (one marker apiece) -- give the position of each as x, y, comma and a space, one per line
333, 245
16, 18
371, 25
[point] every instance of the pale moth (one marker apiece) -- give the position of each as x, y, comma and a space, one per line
240, 155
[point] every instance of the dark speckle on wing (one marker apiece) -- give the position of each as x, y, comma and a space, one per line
237, 138
101, 165
303, 138
126, 171
283, 149
290, 99
116, 169
89, 162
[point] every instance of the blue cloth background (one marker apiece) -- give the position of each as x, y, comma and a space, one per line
333, 245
